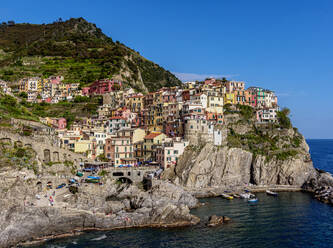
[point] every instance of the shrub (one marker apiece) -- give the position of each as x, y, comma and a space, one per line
79, 99
284, 155
245, 111
23, 95
283, 118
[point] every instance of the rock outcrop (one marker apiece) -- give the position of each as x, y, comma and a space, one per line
293, 171
216, 166
212, 166
25, 218
321, 186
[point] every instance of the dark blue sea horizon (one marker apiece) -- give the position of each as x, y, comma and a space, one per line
289, 220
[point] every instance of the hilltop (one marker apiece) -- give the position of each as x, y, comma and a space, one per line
79, 51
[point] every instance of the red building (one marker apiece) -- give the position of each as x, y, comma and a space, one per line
186, 95
173, 127
104, 86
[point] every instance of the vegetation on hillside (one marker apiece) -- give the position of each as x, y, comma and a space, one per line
10, 107
76, 49
271, 140
15, 156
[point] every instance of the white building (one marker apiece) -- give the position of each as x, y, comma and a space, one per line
100, 142
173, 150
199, 99
33, 84
4, 87
266, 115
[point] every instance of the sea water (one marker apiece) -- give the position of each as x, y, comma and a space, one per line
289, 220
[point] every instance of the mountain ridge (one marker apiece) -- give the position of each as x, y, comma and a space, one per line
77, 49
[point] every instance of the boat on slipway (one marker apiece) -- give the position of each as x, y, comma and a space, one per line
227, 196
268, 192
247, 195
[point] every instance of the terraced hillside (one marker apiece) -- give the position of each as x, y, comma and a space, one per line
79, 51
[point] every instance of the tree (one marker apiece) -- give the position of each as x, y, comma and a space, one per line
23, 95
102, 158
283, 118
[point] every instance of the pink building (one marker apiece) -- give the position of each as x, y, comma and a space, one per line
85, 91
104, 86
60, 123
56, 79
169, 96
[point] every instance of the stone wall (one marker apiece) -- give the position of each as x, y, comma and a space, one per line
135, 174
46, 150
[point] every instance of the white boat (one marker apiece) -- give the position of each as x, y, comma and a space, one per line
268, 192
246, 195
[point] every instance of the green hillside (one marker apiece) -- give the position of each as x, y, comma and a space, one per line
79, 51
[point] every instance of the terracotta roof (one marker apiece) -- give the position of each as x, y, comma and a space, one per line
152, 135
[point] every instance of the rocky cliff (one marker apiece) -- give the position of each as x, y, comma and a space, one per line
251, 153
227, 167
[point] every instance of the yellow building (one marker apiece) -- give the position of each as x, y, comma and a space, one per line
138, 135
86, 146
215, 103
135, 103
150, 142
229, 98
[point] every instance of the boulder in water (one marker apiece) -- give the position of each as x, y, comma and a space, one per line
215, 220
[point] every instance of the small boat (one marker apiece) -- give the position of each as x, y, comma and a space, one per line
252, 200
268, 192
92, 177
246, 195
226, 196
61, 186
236, 195
79, 174
89, 180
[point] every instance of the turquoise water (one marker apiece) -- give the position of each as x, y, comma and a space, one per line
290, 220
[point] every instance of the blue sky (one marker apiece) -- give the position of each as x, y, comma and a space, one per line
283, 45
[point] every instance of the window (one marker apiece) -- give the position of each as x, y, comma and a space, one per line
175, 152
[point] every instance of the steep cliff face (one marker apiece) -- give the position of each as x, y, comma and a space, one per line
214, 166
293, 171
272, 153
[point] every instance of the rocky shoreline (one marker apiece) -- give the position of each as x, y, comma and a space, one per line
321, 187
165, 205
24, 219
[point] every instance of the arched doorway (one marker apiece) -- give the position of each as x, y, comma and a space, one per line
47, 156
124, 180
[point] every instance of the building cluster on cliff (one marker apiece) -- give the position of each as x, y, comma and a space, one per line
133, 129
